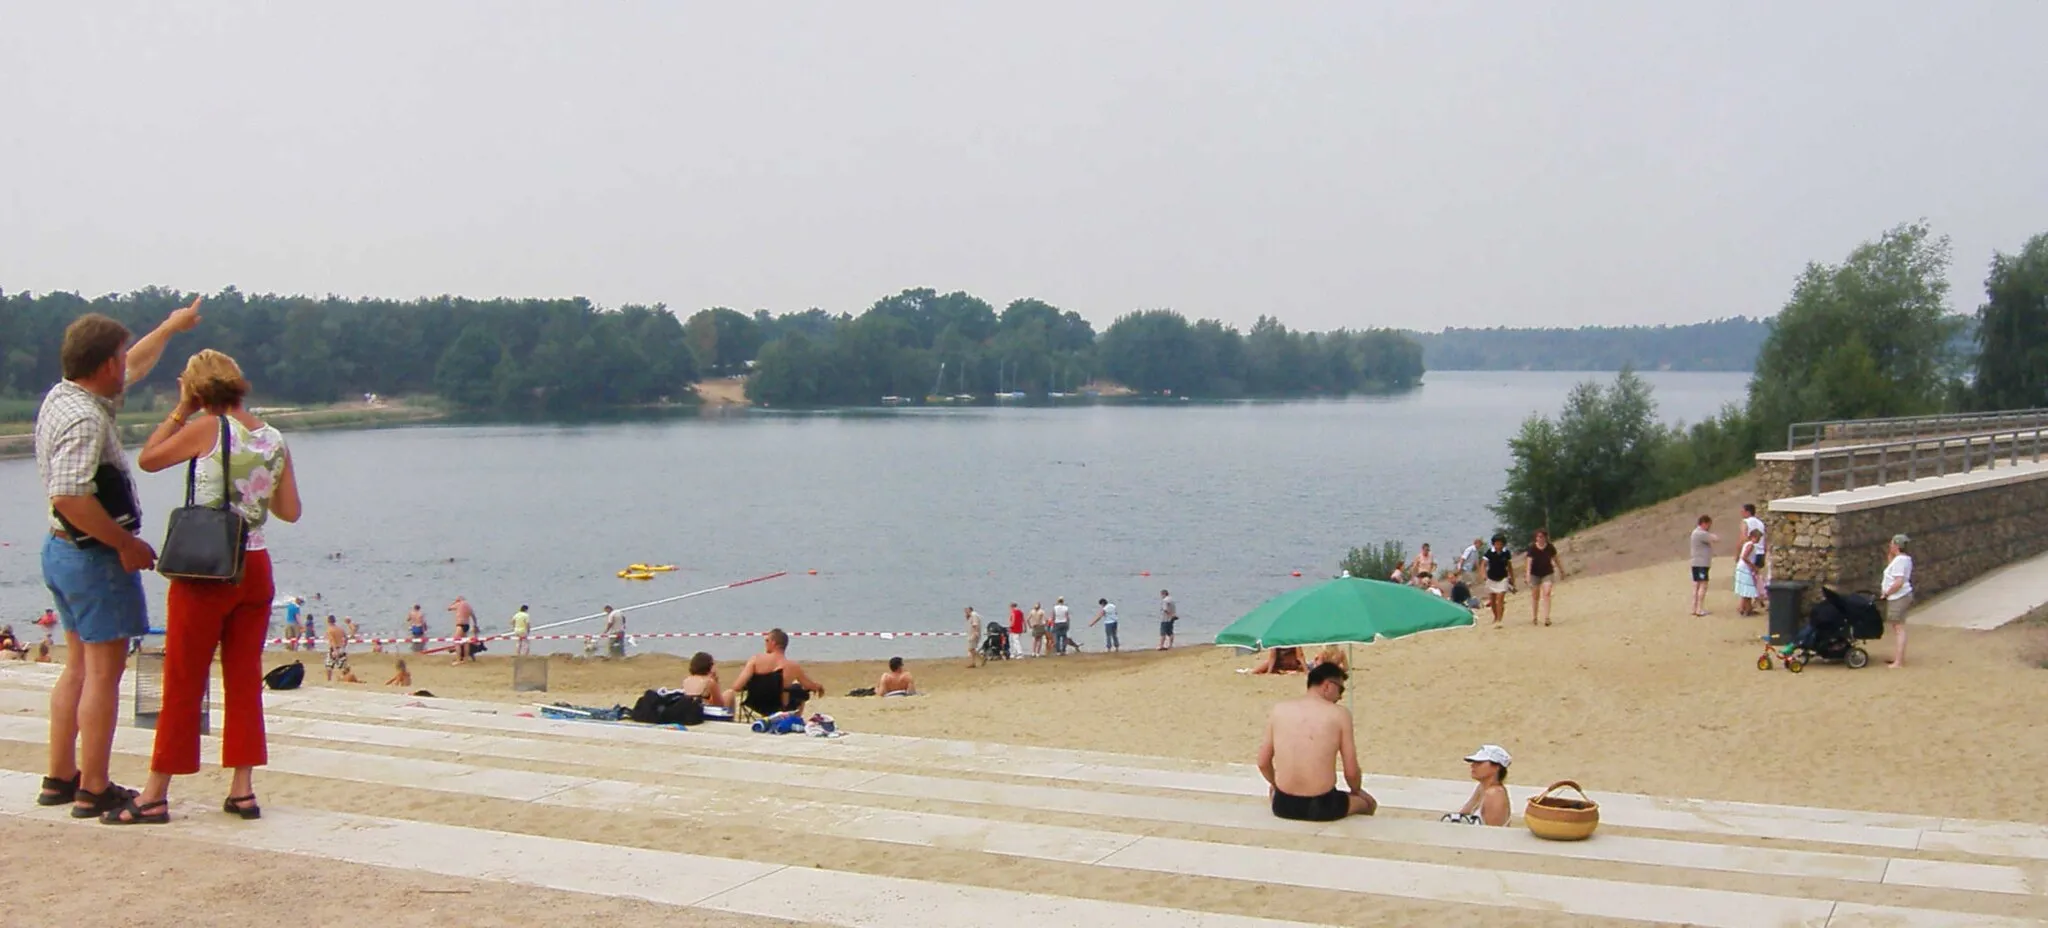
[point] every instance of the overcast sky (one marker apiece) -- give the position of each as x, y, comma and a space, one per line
1358, 163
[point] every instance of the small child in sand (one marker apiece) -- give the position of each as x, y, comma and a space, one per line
402, 678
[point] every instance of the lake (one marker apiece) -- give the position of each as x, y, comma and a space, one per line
906, 515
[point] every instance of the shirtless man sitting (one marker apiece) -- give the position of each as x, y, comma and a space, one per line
1305, 737
897, 681
797, 686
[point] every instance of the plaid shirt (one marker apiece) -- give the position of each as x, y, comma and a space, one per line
74, 435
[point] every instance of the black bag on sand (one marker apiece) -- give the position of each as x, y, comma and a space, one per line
670, 707
285, 676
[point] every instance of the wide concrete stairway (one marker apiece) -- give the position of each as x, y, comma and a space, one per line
874, 830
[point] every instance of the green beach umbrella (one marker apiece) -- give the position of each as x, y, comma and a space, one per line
1347, 610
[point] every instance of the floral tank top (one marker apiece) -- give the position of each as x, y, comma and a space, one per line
255, 460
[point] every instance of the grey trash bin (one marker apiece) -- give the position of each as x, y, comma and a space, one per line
1786, 613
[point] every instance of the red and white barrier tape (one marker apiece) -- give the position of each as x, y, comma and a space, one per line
311, 642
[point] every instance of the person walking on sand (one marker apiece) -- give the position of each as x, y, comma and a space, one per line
1543, 567
1500, 576
1468, 562
1105, 614
1896, 589
337, 649
1306, 737
522, 625
1746, 592
1039, 634
465, 616
1702, 545
240, 463
1062, 625
1757, 558
92, 553
1167, 616
1016, 631
974, 632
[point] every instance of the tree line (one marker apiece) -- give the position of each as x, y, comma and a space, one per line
921, 344
511, 354
1867, 337
1719, 345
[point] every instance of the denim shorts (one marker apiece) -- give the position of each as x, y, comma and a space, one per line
96, 599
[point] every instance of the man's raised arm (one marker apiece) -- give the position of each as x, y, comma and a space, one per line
143, 355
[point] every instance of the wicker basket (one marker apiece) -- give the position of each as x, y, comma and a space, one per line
1560, 819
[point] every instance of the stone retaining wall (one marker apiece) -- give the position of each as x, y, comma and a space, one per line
1956, 538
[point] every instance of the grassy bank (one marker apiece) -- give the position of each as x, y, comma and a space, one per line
17, 425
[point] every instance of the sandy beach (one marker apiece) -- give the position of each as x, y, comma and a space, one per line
1626, 693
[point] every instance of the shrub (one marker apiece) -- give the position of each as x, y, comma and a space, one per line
1375, 562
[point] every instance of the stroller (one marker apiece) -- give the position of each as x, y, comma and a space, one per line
1832, 632
995, 645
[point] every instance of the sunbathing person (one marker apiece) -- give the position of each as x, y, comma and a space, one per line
771, 682
1305, 739
402, 678
1489, 803
897, 681
11, 646
1279, 660
703, 680
1330, 654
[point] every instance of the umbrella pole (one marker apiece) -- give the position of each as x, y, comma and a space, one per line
1351, 692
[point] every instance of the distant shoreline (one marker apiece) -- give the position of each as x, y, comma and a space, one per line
19, 439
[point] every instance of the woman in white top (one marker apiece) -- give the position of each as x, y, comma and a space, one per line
258, 482
1897, 593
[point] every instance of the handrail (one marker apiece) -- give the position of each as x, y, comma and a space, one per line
1906, 427
1926, 457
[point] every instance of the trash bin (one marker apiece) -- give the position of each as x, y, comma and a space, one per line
1787, 609
149, 693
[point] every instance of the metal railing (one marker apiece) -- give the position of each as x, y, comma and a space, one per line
1813, 434
1936, 456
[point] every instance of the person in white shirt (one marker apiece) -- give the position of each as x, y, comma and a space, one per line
1750, 523
1062, 619
1896, 591
1469, 561
1106, 615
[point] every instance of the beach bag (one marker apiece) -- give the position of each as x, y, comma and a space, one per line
667, 707
205, 543
1561, 819
285, 676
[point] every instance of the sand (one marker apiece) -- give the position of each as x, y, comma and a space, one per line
1626, 692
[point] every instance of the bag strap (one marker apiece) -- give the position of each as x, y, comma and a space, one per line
227, 479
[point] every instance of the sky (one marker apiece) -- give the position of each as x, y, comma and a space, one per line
1355, 164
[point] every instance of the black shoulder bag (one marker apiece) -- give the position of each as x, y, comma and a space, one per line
205, 542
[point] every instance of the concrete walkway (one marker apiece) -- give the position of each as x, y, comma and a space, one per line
2007, 594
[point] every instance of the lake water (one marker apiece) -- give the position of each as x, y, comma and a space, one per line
906, 515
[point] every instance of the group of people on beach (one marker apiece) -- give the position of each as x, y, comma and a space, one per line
1052, 633
1494, 564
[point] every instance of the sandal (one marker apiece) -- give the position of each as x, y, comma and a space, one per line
248, 813
58, 792
113, 797
129, 813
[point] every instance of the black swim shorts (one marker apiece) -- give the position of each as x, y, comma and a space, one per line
1328, 807
1699, 574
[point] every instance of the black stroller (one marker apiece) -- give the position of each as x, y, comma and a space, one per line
995, 646
1832, 632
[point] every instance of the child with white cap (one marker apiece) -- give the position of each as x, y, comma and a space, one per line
1489, 802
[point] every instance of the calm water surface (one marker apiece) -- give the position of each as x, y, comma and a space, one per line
906, 515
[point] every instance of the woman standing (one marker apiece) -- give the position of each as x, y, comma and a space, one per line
1745, 573
258, 483
1897, 593
1544, 568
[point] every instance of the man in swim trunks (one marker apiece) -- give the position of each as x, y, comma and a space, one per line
337, 649
465, 615
1305, 738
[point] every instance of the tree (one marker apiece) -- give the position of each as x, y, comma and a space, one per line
1594, 461
2012, 331
722, 340
1867, 337
466, 371
1374, 562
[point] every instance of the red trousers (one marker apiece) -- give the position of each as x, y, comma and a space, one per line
235, 617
